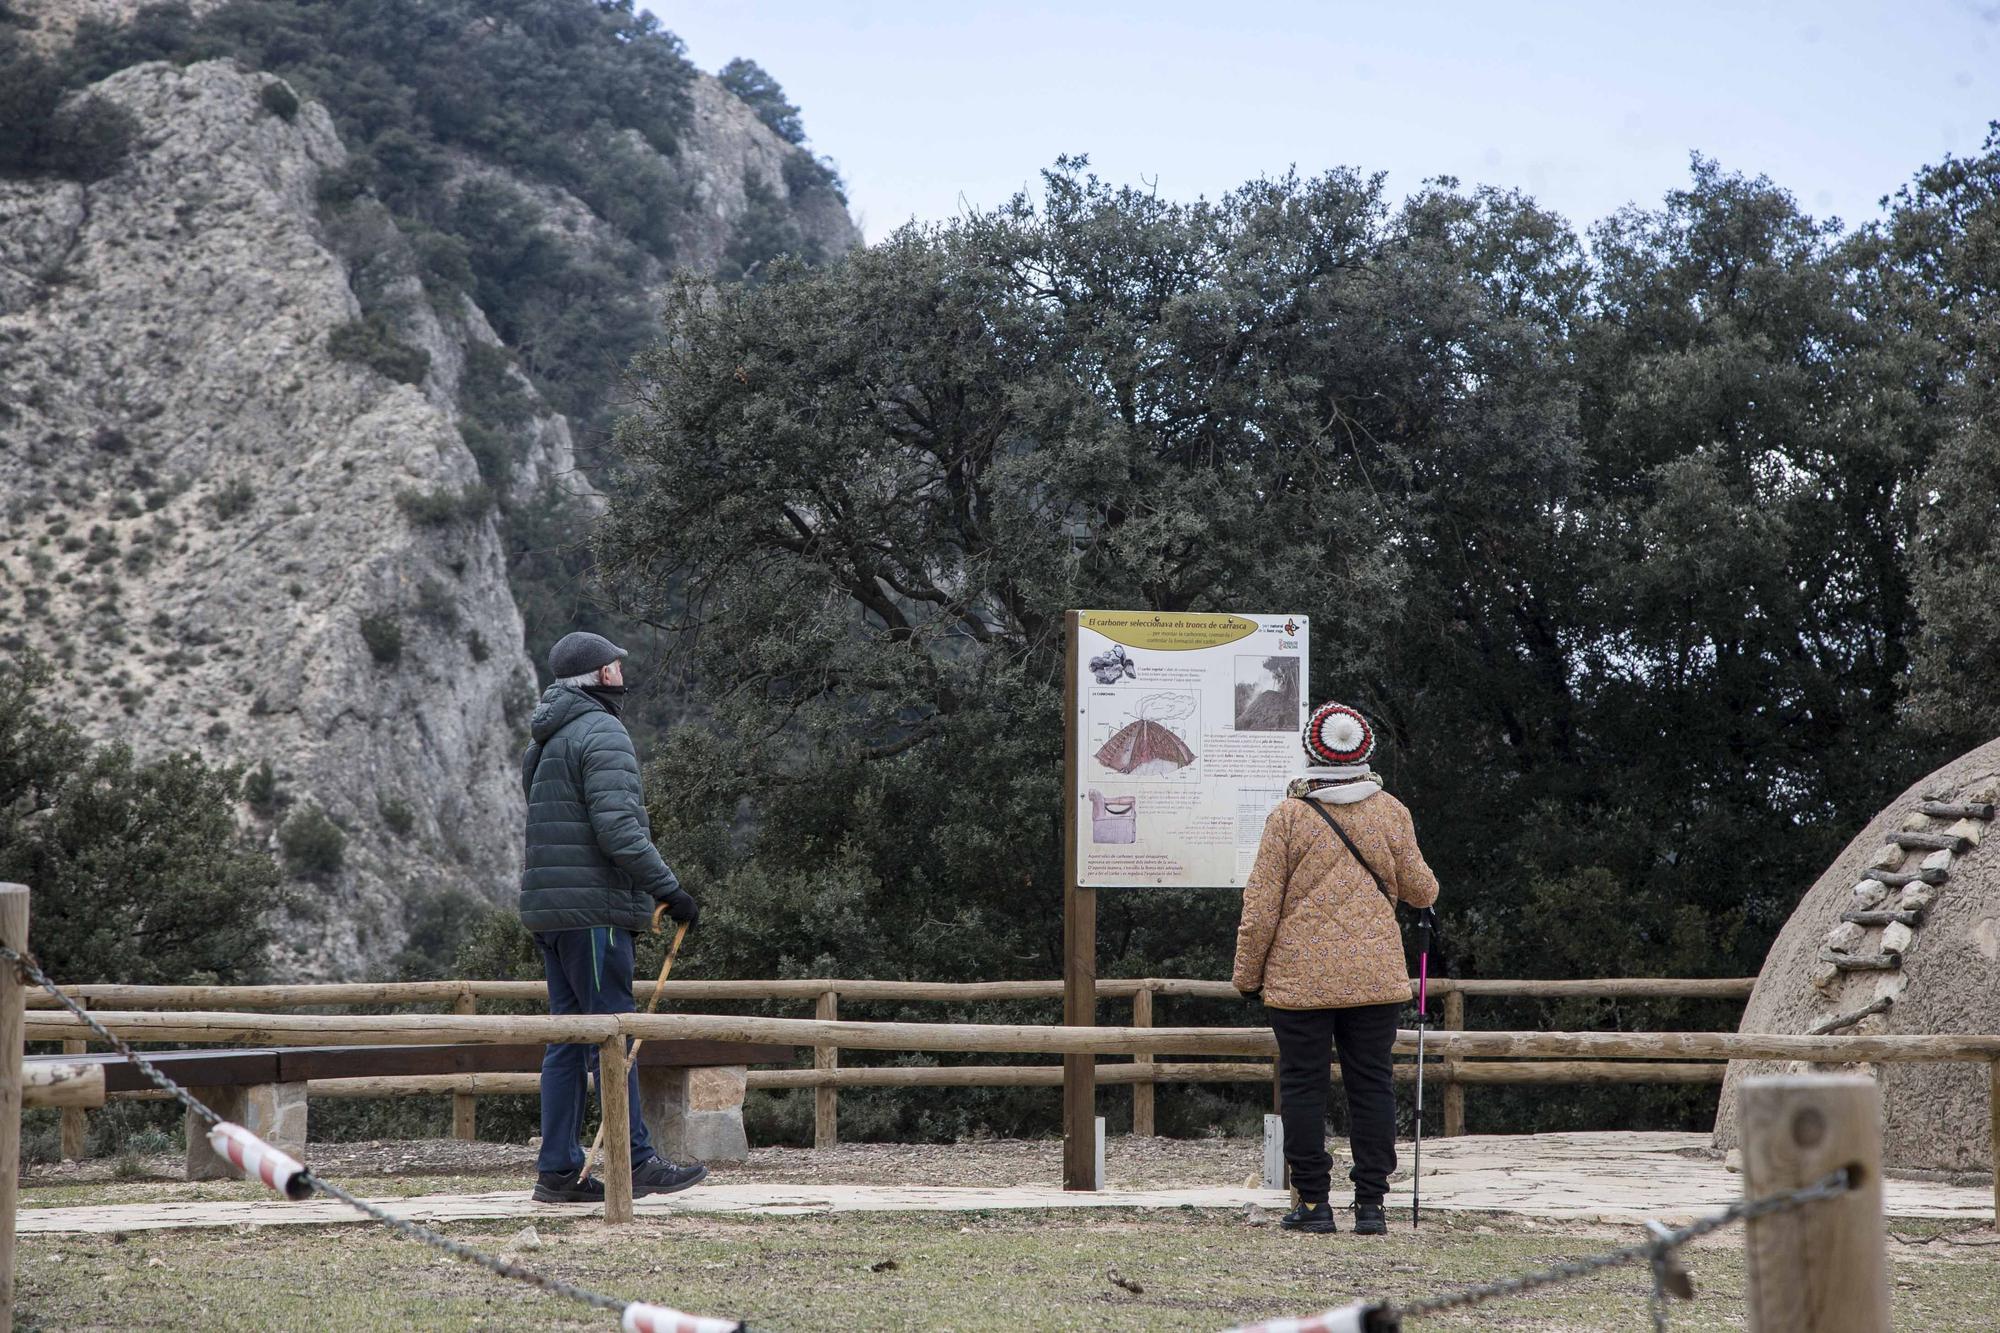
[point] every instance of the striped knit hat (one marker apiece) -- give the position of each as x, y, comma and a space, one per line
1338, 737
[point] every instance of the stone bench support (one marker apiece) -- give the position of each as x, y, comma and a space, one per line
695, 1113
274, 1112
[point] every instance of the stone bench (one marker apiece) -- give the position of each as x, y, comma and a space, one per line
690, 1092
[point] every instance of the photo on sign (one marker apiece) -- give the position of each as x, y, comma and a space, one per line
1150, 739
1267, 693
1113, 665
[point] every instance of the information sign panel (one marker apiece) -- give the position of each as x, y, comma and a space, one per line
1185, 732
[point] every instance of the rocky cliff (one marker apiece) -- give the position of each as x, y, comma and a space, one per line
242, 513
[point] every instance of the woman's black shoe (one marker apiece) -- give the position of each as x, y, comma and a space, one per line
1369, 1220
1313, 1218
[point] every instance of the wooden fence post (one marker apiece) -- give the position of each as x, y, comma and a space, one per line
826, 1059
465, 1105
1142, 1091
14, 934
1818, 1268
612, 1069
75, 1129
1454, 1091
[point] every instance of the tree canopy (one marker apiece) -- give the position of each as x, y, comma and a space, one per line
1609, 534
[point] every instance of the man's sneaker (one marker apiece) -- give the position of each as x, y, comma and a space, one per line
659, 1176
1313, 1218
1369, 1220
564, 1187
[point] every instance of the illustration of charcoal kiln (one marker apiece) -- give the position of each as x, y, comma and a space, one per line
1113, 818
1111, 667
1147, 746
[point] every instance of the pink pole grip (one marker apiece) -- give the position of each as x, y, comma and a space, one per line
258, 1160
642, 1318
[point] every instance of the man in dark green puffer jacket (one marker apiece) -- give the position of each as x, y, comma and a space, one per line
589, 887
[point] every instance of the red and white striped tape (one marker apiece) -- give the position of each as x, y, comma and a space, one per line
1360, 1317
642, 1318
258, 1160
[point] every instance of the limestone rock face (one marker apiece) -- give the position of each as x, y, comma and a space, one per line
1934, 1116
202, 504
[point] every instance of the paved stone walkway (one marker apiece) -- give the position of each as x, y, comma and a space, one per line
1609, 1176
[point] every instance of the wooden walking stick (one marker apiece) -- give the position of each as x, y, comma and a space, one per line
673, 951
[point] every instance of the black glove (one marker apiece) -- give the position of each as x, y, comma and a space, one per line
681, 907
1252, 995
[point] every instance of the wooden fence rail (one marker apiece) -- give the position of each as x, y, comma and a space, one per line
464, 998
999, 1038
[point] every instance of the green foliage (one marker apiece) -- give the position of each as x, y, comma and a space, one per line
1941, 284
313, 844
1611, 542
138, 870
261, 791
495, 405
279, 100
747, 79
82, 138
232, 499
765, 233
383, 633
396, 813
369, 341
443, 504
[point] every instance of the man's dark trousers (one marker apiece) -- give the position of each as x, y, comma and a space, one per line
1365, 1036
589, 972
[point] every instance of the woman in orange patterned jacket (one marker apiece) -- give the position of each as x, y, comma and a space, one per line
1319, 942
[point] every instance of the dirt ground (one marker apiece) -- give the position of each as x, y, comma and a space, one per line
438, 1166
973, 1271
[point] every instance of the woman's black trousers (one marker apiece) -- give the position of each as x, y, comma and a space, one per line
1307, 1039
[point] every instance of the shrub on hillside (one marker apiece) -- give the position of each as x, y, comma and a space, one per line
313, 844
383, 634
279, 100
83, 138
442, 504
138, 870
370, 342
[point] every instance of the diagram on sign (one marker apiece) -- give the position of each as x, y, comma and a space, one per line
1113, 819
1149, 740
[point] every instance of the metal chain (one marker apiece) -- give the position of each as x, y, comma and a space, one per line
402, 1226
1831, 1186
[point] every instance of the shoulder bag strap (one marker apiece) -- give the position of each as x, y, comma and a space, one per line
1354, 851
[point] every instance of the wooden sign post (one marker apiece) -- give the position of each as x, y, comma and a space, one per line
1079, 955
1181, 731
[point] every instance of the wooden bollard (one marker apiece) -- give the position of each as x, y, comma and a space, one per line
612, 1073
826, 1058
75, 1129
465, 1105
14, 934
1142, 1089
1454, 1091
1818, 1268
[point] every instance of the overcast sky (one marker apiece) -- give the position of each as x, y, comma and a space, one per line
931, 107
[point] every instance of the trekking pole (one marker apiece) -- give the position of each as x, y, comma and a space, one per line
1425, 920
673, 951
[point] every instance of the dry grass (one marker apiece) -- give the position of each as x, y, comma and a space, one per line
950, 1272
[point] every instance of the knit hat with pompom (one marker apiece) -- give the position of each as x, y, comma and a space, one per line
1336, 736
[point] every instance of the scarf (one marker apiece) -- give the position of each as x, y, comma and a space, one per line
611, 696
1345, 784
